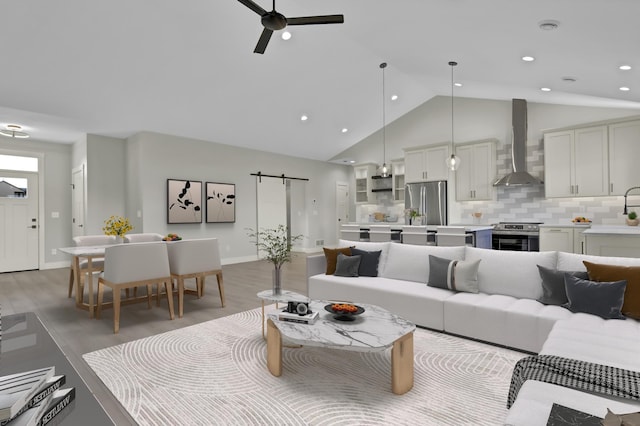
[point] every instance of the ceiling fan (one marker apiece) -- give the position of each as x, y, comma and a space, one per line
274, 21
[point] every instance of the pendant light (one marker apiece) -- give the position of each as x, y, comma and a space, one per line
384, 171
14, 131
453, 162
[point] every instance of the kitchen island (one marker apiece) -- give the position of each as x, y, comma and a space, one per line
481, 234
612, 240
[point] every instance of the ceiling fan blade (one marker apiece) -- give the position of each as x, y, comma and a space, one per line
264, 40
312, 20
251, 5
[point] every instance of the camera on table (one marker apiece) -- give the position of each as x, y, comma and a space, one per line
300, 308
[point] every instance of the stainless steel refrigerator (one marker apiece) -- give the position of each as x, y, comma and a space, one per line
429, 199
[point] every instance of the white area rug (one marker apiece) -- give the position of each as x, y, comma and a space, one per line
215, 373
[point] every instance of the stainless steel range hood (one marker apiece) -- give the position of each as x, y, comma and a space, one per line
519, 176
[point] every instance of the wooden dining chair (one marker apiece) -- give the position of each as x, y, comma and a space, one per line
195, 259
133, 265
79, 267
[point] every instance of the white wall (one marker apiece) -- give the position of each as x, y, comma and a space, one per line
161, 157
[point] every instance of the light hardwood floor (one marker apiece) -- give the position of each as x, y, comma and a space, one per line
45, 293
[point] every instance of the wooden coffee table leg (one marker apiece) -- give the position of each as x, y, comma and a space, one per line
274, 349
402, 364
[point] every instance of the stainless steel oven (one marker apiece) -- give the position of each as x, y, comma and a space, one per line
516, 236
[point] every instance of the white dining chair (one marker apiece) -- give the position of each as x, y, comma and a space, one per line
415, 235
195, 259
379, 233
142, 238
79, 266
133, 265
452, 236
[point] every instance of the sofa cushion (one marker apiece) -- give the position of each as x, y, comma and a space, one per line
369, 246
368, 262
456, 275
411, 263
512, 273
553, 291
596, 298
332, 257
347, 266
631, 274
573, 262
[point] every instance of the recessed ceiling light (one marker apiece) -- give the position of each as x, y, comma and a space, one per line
528, 58
625, 67
457, 84
548, 25
545, 89
625, 89
394, 97
286, 35
345, 130
304, 117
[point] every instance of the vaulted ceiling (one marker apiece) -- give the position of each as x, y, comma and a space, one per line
187, 68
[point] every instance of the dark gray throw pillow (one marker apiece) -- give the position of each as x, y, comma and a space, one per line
368, 262
553, 291
603, 299
347, 266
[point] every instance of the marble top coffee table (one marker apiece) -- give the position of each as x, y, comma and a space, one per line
374, 330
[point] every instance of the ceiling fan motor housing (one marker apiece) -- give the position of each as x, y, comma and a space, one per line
274, 21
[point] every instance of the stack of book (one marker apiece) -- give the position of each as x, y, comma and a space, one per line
309, 318
33, 398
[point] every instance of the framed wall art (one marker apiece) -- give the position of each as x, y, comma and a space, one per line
221, 202
184, 201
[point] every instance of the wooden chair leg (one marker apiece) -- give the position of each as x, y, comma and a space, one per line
220, 287
169, 298
158, 293
116, 311
201, 287
100, 293
149, 295
72, 274
180, 296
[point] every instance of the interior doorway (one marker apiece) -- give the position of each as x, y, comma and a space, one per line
19, 242
342, 205
77, 201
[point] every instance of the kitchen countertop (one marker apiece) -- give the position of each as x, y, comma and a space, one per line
566, 225
612, 230
398, 226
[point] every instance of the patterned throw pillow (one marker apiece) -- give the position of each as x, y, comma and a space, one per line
456, 275
347, 266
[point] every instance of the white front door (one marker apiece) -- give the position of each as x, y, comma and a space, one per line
18, 221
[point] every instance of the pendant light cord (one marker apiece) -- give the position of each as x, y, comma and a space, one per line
384, 130
453, 64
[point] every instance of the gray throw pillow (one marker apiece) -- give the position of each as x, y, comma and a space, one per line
603, 299
457, 275
553, 291
368, 262
347, 266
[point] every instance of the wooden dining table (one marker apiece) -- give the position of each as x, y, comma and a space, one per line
90, 253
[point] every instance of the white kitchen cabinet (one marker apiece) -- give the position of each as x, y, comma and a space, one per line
474, 177
624, 152
426, 163
397, 173
364, 183
576, 162
568, 239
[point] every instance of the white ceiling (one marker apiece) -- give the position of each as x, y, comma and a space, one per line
187, 68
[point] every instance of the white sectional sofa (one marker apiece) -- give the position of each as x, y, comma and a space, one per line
505, 311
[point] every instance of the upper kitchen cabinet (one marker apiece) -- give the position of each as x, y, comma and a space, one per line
477, 171
624, 151
426, 163
576, 162
364, 183
397, 174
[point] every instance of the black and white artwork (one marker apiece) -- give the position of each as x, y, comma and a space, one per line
184, 201
221, 202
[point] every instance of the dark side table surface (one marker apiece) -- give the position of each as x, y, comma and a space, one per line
25, 344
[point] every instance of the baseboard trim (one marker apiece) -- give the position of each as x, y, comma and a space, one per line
55, 265
243, 259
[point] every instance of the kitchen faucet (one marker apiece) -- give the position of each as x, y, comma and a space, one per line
625, 199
